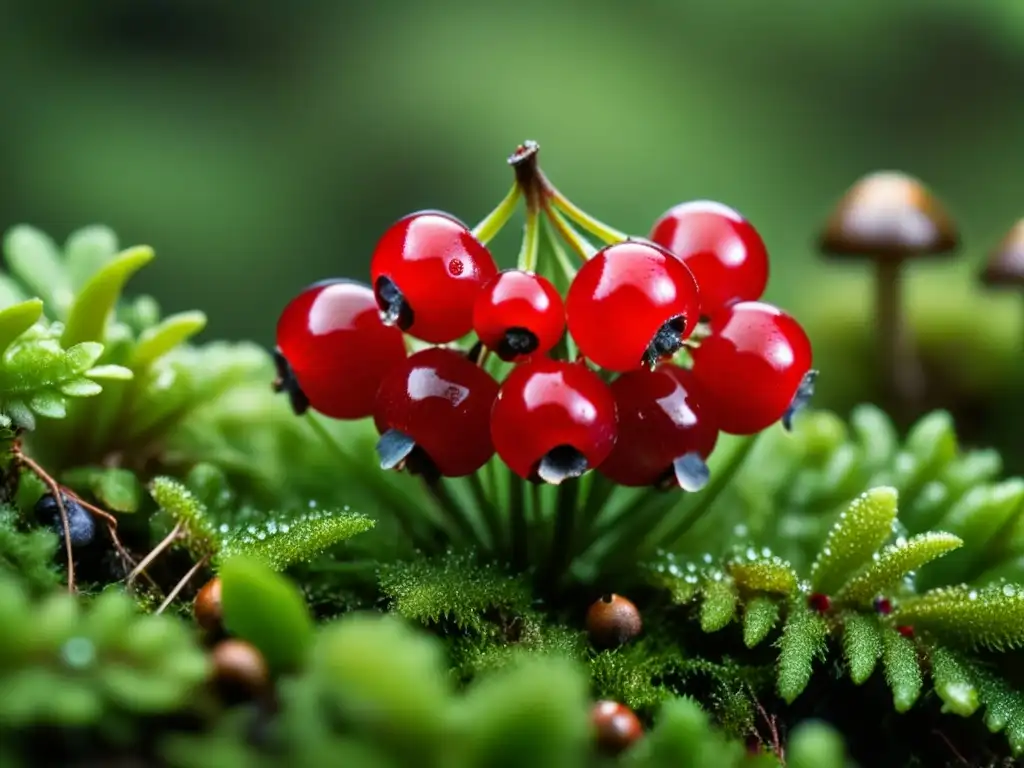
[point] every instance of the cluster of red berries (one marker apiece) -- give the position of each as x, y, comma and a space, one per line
630, 308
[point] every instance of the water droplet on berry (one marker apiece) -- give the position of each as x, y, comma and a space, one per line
455, 267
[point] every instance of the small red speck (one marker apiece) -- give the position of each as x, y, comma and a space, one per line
906, 631
455, 267
883, 605
819, 602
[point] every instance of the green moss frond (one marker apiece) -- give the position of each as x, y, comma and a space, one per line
990, 617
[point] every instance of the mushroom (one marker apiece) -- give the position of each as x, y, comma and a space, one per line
1005, 266
890, 217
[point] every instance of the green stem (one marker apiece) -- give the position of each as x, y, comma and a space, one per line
455, 513
704, 501
561, 552
396, 500
493, 222
598, 229
575, 240
520, 530
489, 511
561, 257
531, 240
636, 532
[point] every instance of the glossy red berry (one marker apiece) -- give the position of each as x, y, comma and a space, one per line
631, 304
433, 413
667, 429
726, 254
752, 365
333, 350
518, 314
906, 631
553, 420
427, 270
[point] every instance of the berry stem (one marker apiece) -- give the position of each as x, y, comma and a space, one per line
493, 222
588, 223
531, 239
561, 257
575, 240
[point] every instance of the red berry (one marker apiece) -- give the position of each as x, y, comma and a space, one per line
819, 603
907, 632
665, 429
723, 250
553, 420
883, 605
519, 314
434, 409
631, 303
334, 350
752, 365
427, 270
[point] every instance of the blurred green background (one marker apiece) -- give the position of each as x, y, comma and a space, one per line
260, 146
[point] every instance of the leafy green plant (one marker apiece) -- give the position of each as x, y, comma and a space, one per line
835, 553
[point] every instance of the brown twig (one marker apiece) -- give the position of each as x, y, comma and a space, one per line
773, 731
956, 753
154, 553
55, 489
181, 584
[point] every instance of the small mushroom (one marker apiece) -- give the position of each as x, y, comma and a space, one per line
207, 608
1005, 265
890, 217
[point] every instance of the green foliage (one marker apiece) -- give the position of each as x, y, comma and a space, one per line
62, 664
252, 591
455, 588
27, 556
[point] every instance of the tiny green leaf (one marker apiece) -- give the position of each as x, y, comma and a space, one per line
855, 537
875, 434
803, 640
902, 669
760, 615
281, 544
267, 610
893, 563
953, 683
764, 574
80, 388
991, 617
157, 341
33, 257
119, 490
86, 251
82, 357
719, 605
48, 404
110, 373
862, 645
88, 315
17, 319
185, 509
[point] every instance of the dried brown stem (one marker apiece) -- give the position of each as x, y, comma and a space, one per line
181, 584
55, 489
166, 542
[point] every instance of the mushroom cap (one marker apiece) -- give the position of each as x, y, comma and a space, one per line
889, 215
1005, 264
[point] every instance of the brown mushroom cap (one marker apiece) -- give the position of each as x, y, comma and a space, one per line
889, 214
1006, 262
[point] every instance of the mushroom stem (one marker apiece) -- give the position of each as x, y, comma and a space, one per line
900, 372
